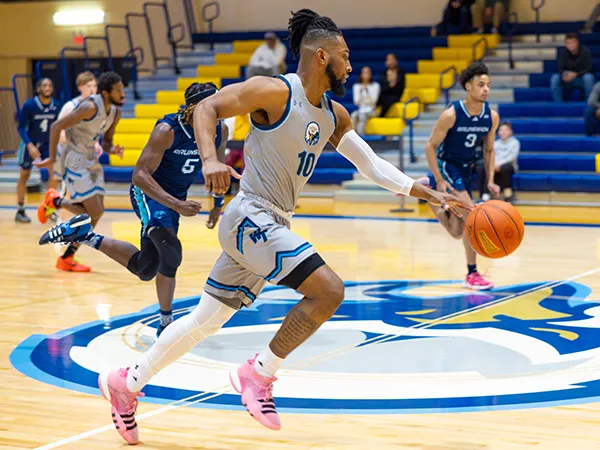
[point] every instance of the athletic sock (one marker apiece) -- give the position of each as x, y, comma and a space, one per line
471, 268
267, 363
166, 317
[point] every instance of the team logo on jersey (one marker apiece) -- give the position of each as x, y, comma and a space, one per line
312, 133
392, 346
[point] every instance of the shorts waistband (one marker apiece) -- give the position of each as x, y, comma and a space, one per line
287, 215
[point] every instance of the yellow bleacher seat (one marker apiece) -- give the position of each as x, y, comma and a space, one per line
155, 111
131, 140
135, 125
443, 53
397, 110
418, 80
241, 129
241, 59
385, 126
130, 157
246, 46
170, 97
425, 95
468, 40
183, 83
222, 71
439, 66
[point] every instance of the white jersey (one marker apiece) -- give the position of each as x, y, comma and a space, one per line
281, 157
84, 136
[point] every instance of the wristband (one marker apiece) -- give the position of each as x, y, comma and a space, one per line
219, 201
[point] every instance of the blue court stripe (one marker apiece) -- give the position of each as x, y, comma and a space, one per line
227, 287
70, 172
286, 254
83, 194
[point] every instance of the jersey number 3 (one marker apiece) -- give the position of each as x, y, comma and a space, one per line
471, 140
307, 163
188, 167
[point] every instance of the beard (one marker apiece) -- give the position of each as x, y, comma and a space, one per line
336, 86
117, 102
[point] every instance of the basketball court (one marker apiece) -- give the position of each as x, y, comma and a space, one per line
410, 360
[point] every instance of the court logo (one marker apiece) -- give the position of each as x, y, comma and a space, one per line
312, 133
391, 347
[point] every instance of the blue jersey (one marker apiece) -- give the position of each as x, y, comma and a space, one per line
36, 119
466, 136
181, 162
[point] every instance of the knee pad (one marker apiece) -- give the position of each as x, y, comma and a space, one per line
144, 264
169, 251
209, 316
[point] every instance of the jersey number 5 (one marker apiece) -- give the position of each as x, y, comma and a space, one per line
188, 167
471, 140
307, 163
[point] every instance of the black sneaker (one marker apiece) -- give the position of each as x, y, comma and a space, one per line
22, 217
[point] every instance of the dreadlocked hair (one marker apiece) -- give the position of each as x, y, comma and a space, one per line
187, 111
476, 69
307, 25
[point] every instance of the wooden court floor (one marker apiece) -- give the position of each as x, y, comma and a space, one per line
410, 360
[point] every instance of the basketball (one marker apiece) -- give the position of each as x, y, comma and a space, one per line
494, 229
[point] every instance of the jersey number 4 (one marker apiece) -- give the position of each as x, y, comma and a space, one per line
471, 140
44, 125
188, 167
307, 163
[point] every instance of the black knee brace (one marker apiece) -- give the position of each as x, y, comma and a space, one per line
144, 264
169, 250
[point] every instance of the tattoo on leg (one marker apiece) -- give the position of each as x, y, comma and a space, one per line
297, 327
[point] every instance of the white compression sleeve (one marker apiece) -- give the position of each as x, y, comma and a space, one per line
179, 338
359, 153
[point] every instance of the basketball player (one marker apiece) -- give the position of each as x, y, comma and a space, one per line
291, 121
95, 116
35, 119
87, 85
451, 155
162, 177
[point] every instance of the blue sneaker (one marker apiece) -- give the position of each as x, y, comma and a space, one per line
75, 230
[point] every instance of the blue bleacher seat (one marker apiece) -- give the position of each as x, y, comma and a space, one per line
557, 163
547, 126
561, 144
523, 110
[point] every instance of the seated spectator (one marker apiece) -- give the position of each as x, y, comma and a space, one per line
392, 84
506, 150
454, 21
592, 113
484, 8
574, 69
268, 59
365, 94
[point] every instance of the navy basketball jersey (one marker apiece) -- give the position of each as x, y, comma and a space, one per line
181, 162
36, 119
467, 134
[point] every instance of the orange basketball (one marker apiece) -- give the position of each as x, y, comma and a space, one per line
494, 229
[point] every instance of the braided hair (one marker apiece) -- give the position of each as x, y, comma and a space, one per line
192, 91
307, 26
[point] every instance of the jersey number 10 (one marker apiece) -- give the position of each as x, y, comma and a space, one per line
307, 163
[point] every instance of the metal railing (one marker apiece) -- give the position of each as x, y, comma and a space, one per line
446, 89
209, 19
512, 26
476, 46
17, 89
172, 41
536, 9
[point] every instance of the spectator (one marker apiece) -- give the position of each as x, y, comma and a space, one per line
365, 94
454, 21
269, 58
574, 69
506, 150
483, 8
392, 84
592, 113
